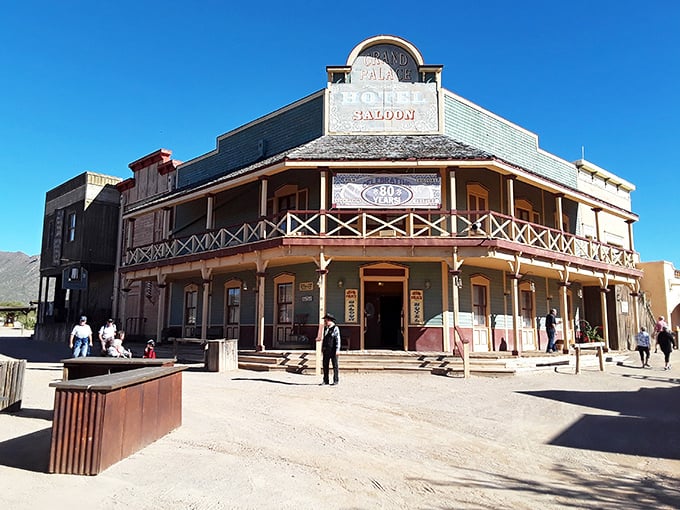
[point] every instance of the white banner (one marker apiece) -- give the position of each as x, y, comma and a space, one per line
386, 191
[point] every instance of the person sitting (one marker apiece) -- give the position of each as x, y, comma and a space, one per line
116, 349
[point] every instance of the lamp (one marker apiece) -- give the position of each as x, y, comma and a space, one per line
428, 284
244, 286
341, 283
532, 286
475, 226
579, 293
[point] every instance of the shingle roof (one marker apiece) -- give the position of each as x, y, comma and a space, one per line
386, 147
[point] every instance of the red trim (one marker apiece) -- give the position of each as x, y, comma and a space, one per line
168, 166
125, 185
160, 156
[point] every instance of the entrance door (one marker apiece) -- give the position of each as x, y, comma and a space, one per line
528, 328
383, 305
480, 314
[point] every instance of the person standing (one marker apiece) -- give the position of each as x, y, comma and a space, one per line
665, 341
658, 327
330, 347
551, 329
106, 335
149, 351
81, 338
642, 339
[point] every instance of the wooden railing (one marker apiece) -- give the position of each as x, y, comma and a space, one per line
400, 224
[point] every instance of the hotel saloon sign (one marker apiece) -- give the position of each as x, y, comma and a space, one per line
383, 95
386, 191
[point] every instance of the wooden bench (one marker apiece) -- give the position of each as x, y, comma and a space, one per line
11, 383
91, 366
598, 346
101, 420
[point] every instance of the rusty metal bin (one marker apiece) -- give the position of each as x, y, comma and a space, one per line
221, 355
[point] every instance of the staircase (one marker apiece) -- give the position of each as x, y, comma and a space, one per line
492, 364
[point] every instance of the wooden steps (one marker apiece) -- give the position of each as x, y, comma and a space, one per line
484, 364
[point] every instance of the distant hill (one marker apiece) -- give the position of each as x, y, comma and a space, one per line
19, 277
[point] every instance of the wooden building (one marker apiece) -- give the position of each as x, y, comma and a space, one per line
78, 256
413, 215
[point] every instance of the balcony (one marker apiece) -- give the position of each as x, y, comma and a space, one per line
343, 224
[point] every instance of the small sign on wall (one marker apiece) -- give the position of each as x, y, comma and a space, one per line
416, 299
351, 304
306, 286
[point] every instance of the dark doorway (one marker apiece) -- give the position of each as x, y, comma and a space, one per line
383, 302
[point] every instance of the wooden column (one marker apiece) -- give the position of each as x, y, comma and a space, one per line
263, 205
636, 315
259, 288
162, 289
564, 313
517, 341
209, 221
630, 235
453, 200
323, 199
603, 305
510, 184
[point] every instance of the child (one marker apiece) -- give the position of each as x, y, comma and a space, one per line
116, 349
149, 352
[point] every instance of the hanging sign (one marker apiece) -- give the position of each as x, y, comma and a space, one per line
351, 305
386, 191
416, 299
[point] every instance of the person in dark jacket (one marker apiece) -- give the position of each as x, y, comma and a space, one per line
330, 347
665, 341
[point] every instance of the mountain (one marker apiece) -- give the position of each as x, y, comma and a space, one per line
19, 277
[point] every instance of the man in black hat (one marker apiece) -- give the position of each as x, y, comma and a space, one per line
330, 347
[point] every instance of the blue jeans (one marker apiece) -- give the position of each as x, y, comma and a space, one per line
80, 347
551, 340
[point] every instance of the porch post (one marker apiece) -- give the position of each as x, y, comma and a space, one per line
323, 200
446, 340
515, 315
564, 311
263, 205
510, 180
161, 306
259, 287
453, 200
630, 238
597, 211
209, 222
204, 310
636, 316
321, 283
603, 305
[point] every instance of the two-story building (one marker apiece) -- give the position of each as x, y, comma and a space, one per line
78, 255
415, 216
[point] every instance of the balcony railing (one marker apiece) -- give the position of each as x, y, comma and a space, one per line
400, 224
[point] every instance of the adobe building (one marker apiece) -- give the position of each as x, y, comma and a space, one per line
78, 255
661, 285
413, 215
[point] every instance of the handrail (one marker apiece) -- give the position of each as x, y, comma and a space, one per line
384, 223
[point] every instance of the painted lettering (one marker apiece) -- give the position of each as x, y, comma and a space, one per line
384, 115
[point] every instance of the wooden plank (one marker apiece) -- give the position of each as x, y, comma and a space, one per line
110, 382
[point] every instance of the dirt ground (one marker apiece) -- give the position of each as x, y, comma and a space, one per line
277, 440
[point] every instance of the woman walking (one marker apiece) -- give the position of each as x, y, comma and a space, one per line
665, 341
642, 339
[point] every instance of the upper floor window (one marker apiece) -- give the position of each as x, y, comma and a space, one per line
71, 232
524, 211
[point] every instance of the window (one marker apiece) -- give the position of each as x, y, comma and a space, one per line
524, 211
190, 304
71, 234
526, 301
233, 305
284, 298
479, 300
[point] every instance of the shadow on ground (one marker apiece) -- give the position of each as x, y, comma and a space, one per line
33, 350
642, 427
583, 490
29, 452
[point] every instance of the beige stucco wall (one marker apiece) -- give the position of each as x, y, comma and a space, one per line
661, 283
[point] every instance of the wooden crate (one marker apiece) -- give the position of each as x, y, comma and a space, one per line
11, 383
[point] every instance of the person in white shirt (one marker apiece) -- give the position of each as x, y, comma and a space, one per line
81, 338
106, 335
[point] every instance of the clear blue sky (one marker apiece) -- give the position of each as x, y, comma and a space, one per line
95, 85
